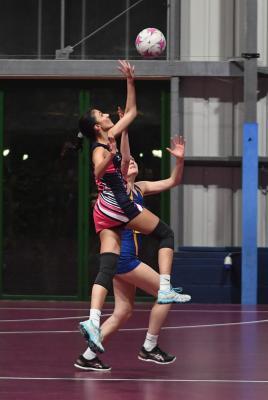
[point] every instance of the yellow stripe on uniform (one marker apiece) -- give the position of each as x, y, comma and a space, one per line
135, 233
135, 237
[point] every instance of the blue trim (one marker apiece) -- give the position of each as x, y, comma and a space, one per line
249, 213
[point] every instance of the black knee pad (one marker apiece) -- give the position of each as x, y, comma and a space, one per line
108, 265
164, 234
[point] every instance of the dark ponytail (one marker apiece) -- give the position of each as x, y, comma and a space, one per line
73, 146
86, 128
86, 125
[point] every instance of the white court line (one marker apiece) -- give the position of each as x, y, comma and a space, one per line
138, 310
42, 319
145, 329
103, 315
27, 378
37, 332
47, 319
46, 308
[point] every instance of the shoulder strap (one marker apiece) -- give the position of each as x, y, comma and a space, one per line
97, 144
138, 189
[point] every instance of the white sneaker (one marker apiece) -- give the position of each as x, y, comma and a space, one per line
92, 334
172, 296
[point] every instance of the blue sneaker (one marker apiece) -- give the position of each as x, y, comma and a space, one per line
92, 334
172, 295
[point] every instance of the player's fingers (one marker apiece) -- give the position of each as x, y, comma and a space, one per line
173, 141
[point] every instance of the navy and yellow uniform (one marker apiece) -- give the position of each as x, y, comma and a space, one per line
130, 241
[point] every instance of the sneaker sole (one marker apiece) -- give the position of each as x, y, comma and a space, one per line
157, 362
171, 301
91, 368
93, 346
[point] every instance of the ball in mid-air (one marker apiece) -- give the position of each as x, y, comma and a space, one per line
150, 43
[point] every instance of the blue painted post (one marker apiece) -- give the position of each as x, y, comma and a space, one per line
249, 213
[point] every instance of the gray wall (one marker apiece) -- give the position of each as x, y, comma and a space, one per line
211, 118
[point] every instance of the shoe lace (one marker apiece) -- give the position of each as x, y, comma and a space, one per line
159, 351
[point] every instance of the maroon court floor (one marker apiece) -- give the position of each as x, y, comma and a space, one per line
222, 353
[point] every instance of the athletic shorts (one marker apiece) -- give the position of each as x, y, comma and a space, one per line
125, 265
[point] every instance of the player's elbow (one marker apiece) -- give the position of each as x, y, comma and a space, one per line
170, 183
99, 174
174, 184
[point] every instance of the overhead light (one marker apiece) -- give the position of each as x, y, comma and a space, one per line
6, 152
157, 153
141, 155
25, 157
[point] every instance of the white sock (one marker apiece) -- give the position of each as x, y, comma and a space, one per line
95, 316
164, 282
89, 354
150, 341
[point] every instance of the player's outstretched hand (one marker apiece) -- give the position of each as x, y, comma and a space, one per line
126, 68
177, 147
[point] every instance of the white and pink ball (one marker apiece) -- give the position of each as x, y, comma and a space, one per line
150, 43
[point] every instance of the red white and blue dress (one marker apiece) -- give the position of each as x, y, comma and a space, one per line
113, 207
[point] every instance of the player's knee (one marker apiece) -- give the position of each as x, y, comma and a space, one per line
128, 313
164, 234
123, 313
108, 265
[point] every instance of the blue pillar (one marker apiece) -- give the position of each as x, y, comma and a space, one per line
249, 214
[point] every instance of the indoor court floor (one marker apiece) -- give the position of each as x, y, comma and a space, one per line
222, 353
